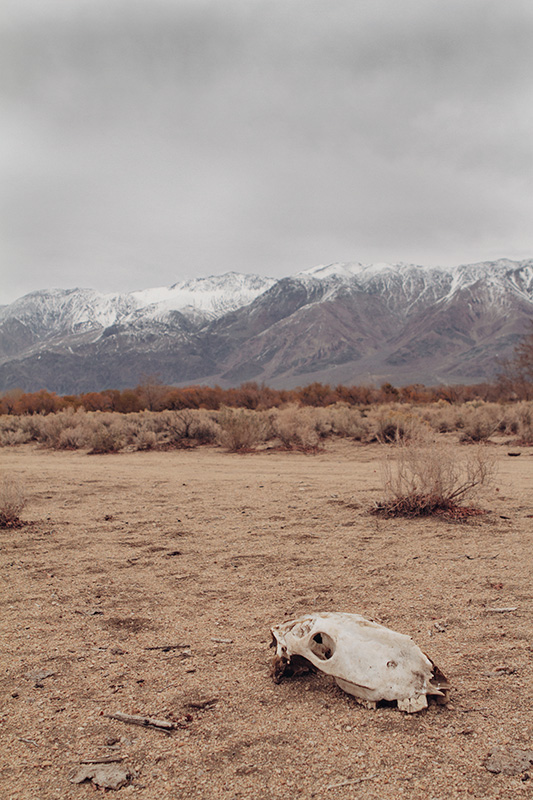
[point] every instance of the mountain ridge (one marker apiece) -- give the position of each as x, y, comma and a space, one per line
344, 322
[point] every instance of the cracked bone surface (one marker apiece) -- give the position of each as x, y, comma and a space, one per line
367, 660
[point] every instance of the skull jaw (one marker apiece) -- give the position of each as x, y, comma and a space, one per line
284, 667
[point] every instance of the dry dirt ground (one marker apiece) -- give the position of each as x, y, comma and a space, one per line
207, 549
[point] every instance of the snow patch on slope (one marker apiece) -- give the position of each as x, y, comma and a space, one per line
213, 296
348, 272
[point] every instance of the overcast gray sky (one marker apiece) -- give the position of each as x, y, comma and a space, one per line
149, 141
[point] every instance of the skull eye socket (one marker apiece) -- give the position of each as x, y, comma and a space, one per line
322, 646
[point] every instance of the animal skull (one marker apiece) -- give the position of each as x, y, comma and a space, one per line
367, 660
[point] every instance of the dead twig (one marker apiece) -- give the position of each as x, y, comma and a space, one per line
352, 781
200, 704
166, 647
145, 722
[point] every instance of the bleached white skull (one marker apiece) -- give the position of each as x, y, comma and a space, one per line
367, 660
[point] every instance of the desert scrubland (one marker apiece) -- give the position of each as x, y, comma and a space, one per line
147, 582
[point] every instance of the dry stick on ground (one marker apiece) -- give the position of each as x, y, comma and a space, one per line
166, 647
347, 783
200, 704
146, 722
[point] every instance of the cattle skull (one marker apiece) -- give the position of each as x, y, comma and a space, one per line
367, 660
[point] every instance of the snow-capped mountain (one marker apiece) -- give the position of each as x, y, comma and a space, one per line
341, 323
58, 313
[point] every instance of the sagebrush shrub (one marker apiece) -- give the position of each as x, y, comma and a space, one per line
241, 429
426, 477
296, 428
204, 429
10, 438
191, 427
73, 438
12, 502
145, 440
349, 422
442, 417
393, 425
107, 439
524, 422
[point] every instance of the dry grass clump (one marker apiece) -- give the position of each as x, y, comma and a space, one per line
109, 435
12, 502
342, 420
10, 437
442, 417
242, 430
145, 440
427, 478
75, 438
298, 428
480, 423
523, 423
189, 428
393, 424
103, 442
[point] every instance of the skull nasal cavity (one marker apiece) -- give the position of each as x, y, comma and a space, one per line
322, 646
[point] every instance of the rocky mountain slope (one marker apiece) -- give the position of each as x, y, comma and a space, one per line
341, 323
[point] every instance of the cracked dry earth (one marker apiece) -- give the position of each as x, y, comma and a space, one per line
205, 551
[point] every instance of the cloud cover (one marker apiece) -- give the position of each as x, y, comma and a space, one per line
148, 141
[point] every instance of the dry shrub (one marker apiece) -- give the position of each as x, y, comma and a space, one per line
189, 428
322, 421
390, 425
10, 438
427, 478
204, 429
524, 422
108, 438
145, 440
73, 438
336, 420
296, 428
348, 422
64, 430
12, 502
442, 417
48, 429
479, 424
241, 429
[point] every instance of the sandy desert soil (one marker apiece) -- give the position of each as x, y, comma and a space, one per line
207, 549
